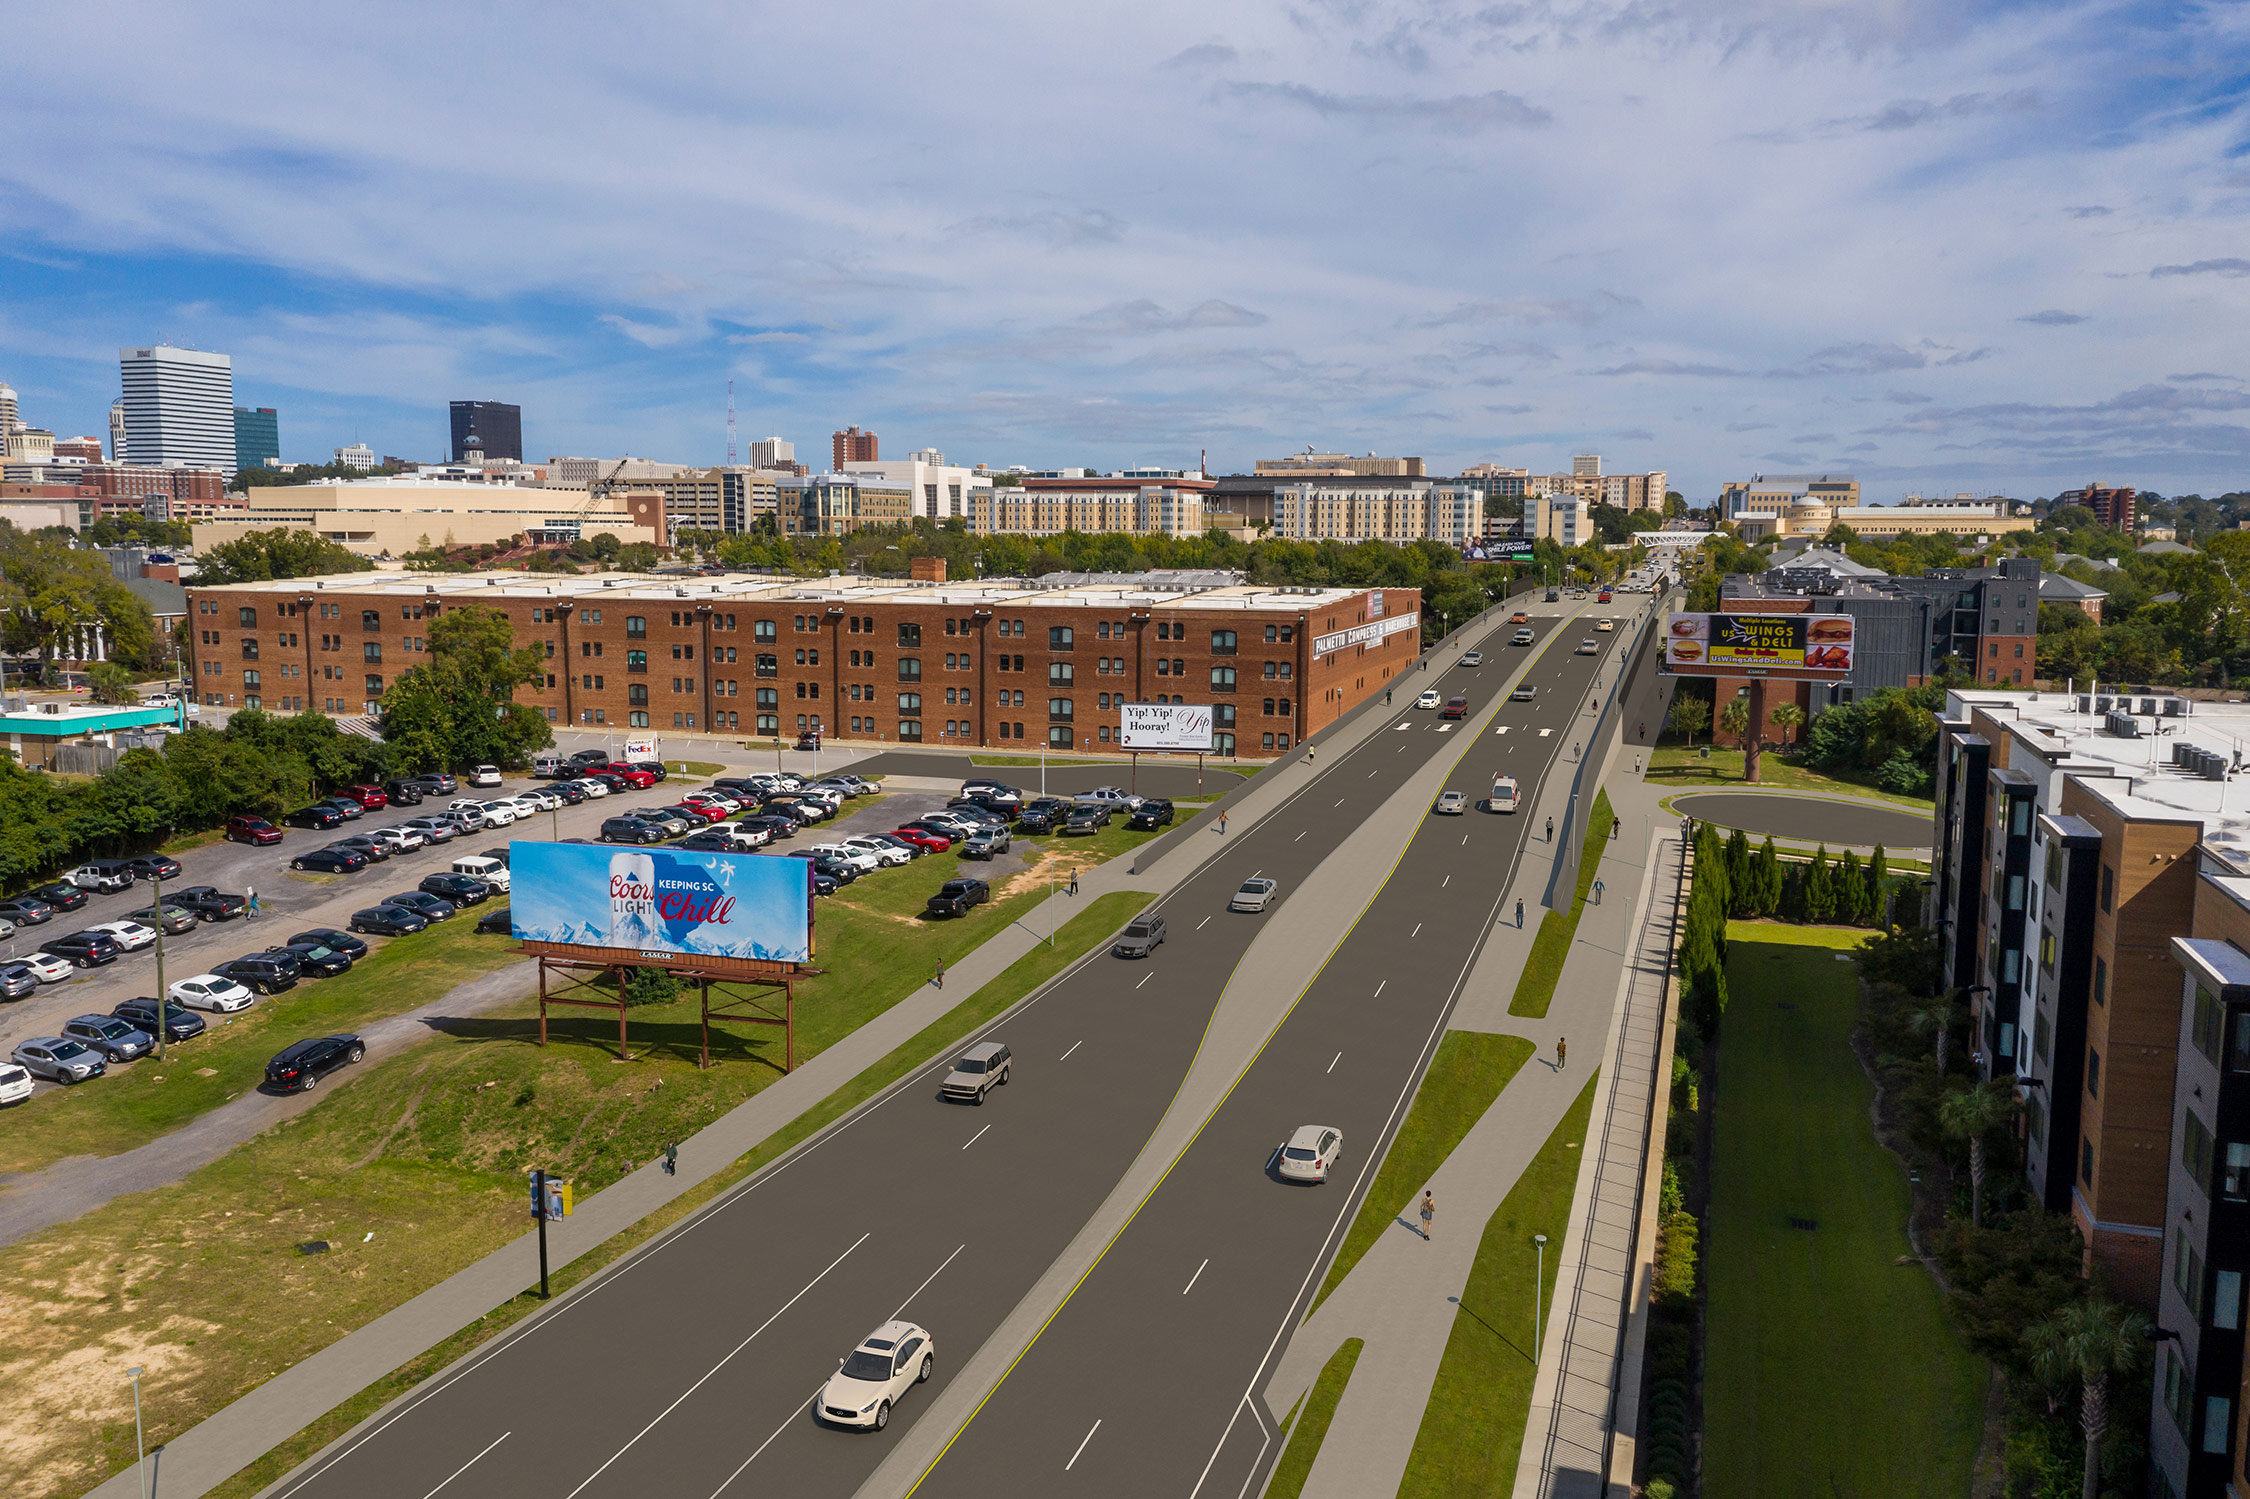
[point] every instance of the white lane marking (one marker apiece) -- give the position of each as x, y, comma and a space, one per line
1333, 1061
1445, 728
1543, 733
1198, 1275
721, 1364
975, 1137
925, 1285
1402, 728
1449, 878
1097, 1426
1081, 1042
1206, 921
1300, 836
1501, 730
1379, 988
1410, 936
472, 1462
1371, 775
1145, 978
1339, 801
768, 1442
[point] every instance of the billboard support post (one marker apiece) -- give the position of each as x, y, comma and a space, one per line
1756, 738
744, 1008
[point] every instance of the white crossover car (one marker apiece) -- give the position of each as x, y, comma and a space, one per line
887, 1363
1310, 1152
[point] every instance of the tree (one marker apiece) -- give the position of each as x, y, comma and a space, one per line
2089, 1341
1878, 894
262, 556
1819, 896
1972, 1115
460, 709
1735, 719
1788, 718
1936, 1018
1850, 888
1765, 879
53, 597
1689, 714
107, 682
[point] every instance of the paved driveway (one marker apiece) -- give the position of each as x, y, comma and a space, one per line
1809, 819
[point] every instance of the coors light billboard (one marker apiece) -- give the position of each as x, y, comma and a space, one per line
661, 901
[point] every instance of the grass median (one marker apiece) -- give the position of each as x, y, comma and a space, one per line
1472, 1429
1466, 1075
1681, 765
1828, 1366
1309, 1428
1550, 948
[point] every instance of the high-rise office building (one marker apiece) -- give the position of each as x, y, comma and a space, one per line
8, 413
855, 446
257, 437
179, 407
772, 452
493, 428
117, 432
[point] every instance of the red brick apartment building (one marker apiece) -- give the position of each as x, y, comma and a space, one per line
995, 663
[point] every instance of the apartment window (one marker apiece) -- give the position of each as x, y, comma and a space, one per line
2047, 951
769, 664
249, 618
2195, 1152
2218, 1422
1272, 635
637, 694
1222, 744
2109, 885
909, 634
636, 660
910, 702
769, 723
1059, 638
1222, 642
594, 648
2234, 1172
2187, 1273
2101, 981
2086, 1159
1222, 715
2238, 1052
910, 730
250, 650
371, 651
1163, 667
764, 631
374, 687
1058, 737
2210, 1020
910, 668
1059, 707
2015, 892
250, 679
2226, 1300
636, 626
2054, 866
2093, 1073
2041, 1034
1101, 631
637, 720
370, 620
1222, 679
769, 697
1268, 708
1060, 673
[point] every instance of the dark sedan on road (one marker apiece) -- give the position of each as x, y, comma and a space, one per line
302, 1064
180, 1022
434, 907
328, 936
62, 895
26, 910
956, 896
319, 816
209, 903
83, 949
330, 861
261, 973
154, 867
388, 921
315, 960
460, 889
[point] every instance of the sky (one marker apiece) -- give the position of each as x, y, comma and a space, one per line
1947, 245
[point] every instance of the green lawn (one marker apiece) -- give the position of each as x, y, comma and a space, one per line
1679, 765
1550, 947
1468, 1072
1829, 1368
1472, 1429
426, 1153
1310, 1426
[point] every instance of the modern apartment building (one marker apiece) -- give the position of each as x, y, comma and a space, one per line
1397, 510
493, 429
179, 407
390, 517
853, 446
835, 504
1048, 507
937, 490
1585, 482
997, 662
1312, 465
1562, 519
257, 437
2112, 507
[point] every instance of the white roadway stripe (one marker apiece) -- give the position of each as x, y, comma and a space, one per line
1410, 936
1501, 730
1300, 837
1206, 921
721, 1364
1379, 987
1339, 801
1198, 1275
925, 1285
472, 1462
975, 1137
1334, 1060
1074, 1046
768, 1442
1144, 979
1081, 1452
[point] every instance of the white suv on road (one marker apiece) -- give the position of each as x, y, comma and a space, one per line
888, 1362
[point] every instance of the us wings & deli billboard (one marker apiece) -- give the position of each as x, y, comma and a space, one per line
1795, 647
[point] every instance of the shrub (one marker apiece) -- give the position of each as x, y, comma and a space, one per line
1675, 1258
1659, 1488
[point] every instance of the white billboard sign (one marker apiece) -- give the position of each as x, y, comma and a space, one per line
1367, 634
1167, 726
644, 748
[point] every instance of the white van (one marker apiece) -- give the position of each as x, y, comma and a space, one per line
478, 867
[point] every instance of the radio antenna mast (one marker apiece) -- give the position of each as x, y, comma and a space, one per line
730, 424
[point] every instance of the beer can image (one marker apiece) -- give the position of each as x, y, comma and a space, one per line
632, 900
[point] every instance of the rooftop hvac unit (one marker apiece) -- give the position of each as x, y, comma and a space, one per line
2104, 704
2122, 726
2148, 706
2175, 707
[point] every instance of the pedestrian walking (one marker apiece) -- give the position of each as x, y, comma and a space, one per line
671, 1158
1550, 830
1519, 913
1562, 1053
1310, 751
1429, 1211
252, 892
1074, 882
1387, 695
940, 973
1222, 824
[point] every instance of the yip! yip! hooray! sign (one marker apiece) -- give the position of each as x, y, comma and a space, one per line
662, 902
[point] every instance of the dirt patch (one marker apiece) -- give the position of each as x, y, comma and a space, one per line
1064, 862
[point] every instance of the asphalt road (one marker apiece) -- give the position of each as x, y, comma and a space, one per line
689, 1369
1167, 1339
1809, 819
1153, 778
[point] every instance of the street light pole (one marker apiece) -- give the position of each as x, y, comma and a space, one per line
163, 1021
1538, 1293
140, 1447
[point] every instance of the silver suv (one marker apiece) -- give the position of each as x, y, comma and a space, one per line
977, 1072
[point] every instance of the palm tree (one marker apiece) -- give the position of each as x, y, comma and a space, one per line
1735, 719
1972, 1114
1937, 1016
2089, 1341
1788, 718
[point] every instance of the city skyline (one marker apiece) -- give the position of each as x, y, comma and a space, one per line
1982, 248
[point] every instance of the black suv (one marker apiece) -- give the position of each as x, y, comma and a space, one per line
1154, 813
957, 896
1041, 814
403, 793
84, 949
209, 903
180, 1022
586, 758
261, 973
631, 830
461, 889
302, 1064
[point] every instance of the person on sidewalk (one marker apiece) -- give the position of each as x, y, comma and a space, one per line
671, 1158
1519, 913
1222, 824
1562, 1053
1387, 695
1429, 1211
1309, 753
1074, 882
940, 980
1550, 830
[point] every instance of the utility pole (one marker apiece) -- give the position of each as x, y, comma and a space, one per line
140, 1444
1538, 1291
163, 996
539, 1216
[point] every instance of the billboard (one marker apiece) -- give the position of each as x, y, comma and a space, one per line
1796, 647
1499, 549
662, 903
644, 748
1166, 726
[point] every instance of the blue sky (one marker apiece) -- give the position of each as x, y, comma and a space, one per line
1949, 246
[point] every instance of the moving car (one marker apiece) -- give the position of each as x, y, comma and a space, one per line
1523, 637
985, 842
1153, 813
956, 896
460, 889
117, 1040
1504, 796
302, 1064
208, 991
180, 1024
102, 876
1472, 658
1603, 596
1589, 646
1309, 1153
59, 1059
1455, 707
888, 1362
1452, 803
388, 921
977, 1072
1256, 891
1142, 936
1429, 699
1605, 625
15, 1085
1523, 693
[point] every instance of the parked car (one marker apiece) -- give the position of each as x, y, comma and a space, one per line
27, 910
404, 793
1308, 1154
399, 839
1041, 814
209, 991
129, 935
700, 813
434, 907
876, 1375
590, 757
328, 936
117, 1040
489, 869
500, 814
434, 829
59, 1059
350, 810
858, 858
18, 980
653, 767
929, 840
671, 819
497, 920
726, 804
61, 894
976, 1072
1085, 820
1108, 796
375, 849
49, 968
103, 876
1155, 812
883, 851
437, 783
156, 866
316, 960
485, 777
1141, 937
331, 860
631, 775
388, 921
1256, 891
15, 1085
179, 1022
631, 830
84, 949
985, 842
260, 973
590, 786
835, 869
459, 889
371, 797
301, 1065
899, 841
319, 816
976, 813
571, 792
956, 896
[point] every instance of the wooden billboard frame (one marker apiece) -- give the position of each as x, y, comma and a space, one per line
748, 979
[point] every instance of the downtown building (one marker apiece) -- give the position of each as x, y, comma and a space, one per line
2091, 893
996, 663
1396, 510
178, 408
1040, 505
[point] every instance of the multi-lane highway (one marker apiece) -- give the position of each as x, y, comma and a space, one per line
690, 1368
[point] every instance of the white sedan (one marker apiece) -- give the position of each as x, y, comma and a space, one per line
888, 1362
882, 853
858, 858
499, 814
49, 968
1310, 1152
592, 788
130, 935
1428, 699
208, 991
